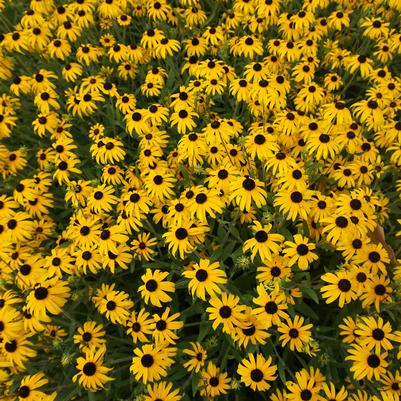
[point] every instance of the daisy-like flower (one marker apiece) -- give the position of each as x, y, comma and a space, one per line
115, 305
366, 363
142, 247
373, 256
303, 388
92, 374
11, 323
257, 371
341, 287
155, 288
184, 120
151, 362
102, 199
295, 204
264, 243
295, 333
17, 227
17, 351
227, 311
162, 391
272, 306
183, 238
205, 278
30, 385
90, 335
48, 296
376, 291
375, 334
213, 381
300, 252
252, 331
139, 326
166, 327
197, 356
247, 191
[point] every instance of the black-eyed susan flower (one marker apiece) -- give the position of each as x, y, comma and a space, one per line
213, 381
373, 256
111, 241
115, 305
391, 382
30, 385
142, 247
178, 213
205, 278
205, 202
366, 363
17, 351
295, 333
58, 261
136, 203
10, 323
257, 371
18, 227
9, 298
87, 258
108, 150
182, 238
66, 167
348, 330
92, 374
341, 287
159, 185
264, 243
48, 296
166, 327
360, 276
90, 335
102, 199
300, 251
246, 191
227, 311
140, 326
337, 226
272, 306
295, 204
253, 330
376, 291
322, 145
304, 387
197, 357
375, 334
151, 362
155, 288
183, 119
162, 391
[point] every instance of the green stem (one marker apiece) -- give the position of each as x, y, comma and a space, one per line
283, 362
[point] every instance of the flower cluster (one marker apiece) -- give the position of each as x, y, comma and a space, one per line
200, 199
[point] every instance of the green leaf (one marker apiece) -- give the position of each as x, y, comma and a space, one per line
286, 233
181, 284
195, 384
205, 329
281, 371
307, 311
311, 294
91, 396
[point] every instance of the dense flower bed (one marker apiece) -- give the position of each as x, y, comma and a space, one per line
199, 200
